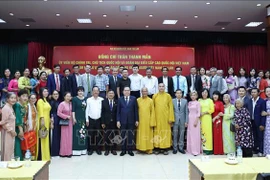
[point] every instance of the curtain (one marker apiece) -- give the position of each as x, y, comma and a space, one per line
13, 56
39, 49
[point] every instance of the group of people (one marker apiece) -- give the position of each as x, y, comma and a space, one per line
83, 113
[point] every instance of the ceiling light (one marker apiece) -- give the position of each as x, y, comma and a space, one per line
45, 0
258, 5
2, 21
57, 14
128, 8
185, 27
100, 1
170, 21
27, 25
11, 14
107, 26
239, 18
208, 3
253, 24
104, 15
89, 13
263, 29
147, 26
196, 16
150, 15
84, 21
223, 28
154, 1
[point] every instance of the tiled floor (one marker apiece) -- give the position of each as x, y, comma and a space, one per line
127, 167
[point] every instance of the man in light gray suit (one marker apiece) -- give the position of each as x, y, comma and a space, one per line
215, 82
87, 81
180, 106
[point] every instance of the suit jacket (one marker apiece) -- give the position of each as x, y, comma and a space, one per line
113, 86
170, 84
215, 84
259, 107
83, 82
181, 116
198, 83
66, 85
246, 101
51, 84
108, 115
127, 113
75, 84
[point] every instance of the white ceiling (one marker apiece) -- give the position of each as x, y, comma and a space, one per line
44, 13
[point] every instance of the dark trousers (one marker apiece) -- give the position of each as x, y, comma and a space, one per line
94, 134
127, 135
102, 94
110, 131
258, 138
136, 94
247, 152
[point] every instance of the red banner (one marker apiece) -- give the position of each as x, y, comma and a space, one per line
144, 56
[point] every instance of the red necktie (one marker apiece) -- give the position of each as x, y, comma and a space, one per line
57, 83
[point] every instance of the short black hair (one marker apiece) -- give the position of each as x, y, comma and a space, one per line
255, 89
110, 90
135, 65
56, 65
179, 90
80, 88
121, 66
126, 87
178, 67
100, 67
76, 65
107, 66
67, 92
162, 69
125, 69
241, 87
66, 70
22, 92
148, 68
218, 94
95, 87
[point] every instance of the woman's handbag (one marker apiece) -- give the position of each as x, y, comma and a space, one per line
64, 122
43, 132
232, 127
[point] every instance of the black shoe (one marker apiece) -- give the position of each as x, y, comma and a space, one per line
98, 152
122, 153
182, 151
174, 152
69, 156
165, 152
106, 153
114, 152
90, 152
130, 153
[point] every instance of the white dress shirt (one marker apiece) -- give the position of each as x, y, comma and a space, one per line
224, 86
254, 104
93, 108
165, 82
151, 84
193, 79
135, 80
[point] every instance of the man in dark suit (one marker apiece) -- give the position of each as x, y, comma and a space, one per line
167, 81
256, 106
194, 82
127, 119
108, 122
113, 82
54, 80
242, 94
75, 78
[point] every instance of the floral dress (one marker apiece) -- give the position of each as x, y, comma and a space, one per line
243, 136
205, 82
79, 146
267, 131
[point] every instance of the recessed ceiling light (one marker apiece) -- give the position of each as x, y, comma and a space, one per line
2, 21
89, 13
258, 5
196, 16
100, 1
11, 14
208, 3
57, 14
147, 26
223, 28
45, 0
239, 18
27, 25
84, 21
253, 24
170, 21
107, 26
150, 15
154, 1
104, 15
185, 27
128, 8
263, 29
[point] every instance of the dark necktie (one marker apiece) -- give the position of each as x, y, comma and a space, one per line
111, 105
115, 80
178, 87
126, 100
179, 105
